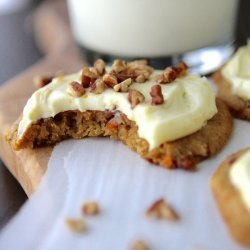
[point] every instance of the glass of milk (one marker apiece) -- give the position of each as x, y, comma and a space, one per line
200, 32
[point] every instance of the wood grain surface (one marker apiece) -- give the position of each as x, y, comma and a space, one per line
55, 40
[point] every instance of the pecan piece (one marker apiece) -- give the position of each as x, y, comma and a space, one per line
90, 208
88, 77
170, 74
100, 66
76, 225
156, 94
75, 89
162, 210
123, 86
118, 66
41, 81
181, 69
135, 97
97, 87
110, 80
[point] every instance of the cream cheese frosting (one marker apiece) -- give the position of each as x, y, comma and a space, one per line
237, 72
189, 104
240, 177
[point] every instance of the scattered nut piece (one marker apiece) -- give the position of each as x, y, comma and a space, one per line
156, 94
123, 86
75, 89
90, 208
88, 77
135, 97
76, 225
110, 80
97, 87
139, 245
41, 81
161, 210
100, 66
118, 66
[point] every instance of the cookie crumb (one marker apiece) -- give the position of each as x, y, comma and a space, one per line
139, 245
162, 210
90, 208
77, 225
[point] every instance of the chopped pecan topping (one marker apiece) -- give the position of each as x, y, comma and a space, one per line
88, 77
135, 97
100, 66
75, 89
138, 70
161, 210
181, 69
170, 74
142, 78
41, 81
76, 225
97, 87
90, 208
156, 94
110, 80
118, 66
123, 86
139, 245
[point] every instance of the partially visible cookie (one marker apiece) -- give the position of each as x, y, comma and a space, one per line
233, 81
230, 202
239, 107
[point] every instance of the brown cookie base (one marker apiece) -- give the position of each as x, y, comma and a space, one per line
183, 153
229, 201
239, 108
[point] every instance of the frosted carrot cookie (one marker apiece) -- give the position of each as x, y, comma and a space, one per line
231, 187
233, 82
171, 119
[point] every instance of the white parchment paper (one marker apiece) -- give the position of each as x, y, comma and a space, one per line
125, 186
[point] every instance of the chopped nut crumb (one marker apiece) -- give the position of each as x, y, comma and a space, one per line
110, 80
139, 245
181, 69
135, 97
90, 208
161, 210
118, 66
123, 86
41, 81
156, 94
98, 86
170, 74
75, 89
76, 225
88, 77
100, 66
140, 78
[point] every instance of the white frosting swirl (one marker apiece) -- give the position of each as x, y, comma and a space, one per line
240, 177
237, 72
189, 103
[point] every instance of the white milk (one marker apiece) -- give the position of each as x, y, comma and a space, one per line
151, 28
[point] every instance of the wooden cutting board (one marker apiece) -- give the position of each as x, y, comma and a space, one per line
53, 36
